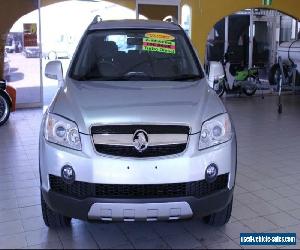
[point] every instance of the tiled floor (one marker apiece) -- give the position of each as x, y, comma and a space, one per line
267, 195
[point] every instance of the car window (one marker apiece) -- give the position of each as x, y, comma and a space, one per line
135, 55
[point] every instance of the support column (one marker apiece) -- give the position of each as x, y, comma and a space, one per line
41, 55
199, 29
226, 44
251, 40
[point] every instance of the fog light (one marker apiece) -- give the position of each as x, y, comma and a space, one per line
68, 174
211, 173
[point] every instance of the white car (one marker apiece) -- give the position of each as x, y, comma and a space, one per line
10, 48
58, 50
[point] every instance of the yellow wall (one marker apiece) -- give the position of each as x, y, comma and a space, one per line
205, 14
156, 12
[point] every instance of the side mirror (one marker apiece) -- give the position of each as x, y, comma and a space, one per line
216, 72
54, 70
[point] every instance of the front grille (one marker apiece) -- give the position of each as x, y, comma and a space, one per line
130, 129
82, 190
131, 151
156, 151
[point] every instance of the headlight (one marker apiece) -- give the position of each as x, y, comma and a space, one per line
61, 131
215, 131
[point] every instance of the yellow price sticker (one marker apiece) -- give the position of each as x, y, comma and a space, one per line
160, 36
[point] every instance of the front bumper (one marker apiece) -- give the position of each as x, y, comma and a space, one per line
137, 209
91, 167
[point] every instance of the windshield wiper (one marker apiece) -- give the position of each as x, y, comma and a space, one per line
85, 78
186, 77
118, 78
137, 77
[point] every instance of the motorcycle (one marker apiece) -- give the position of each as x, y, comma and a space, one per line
242, 81
5, 103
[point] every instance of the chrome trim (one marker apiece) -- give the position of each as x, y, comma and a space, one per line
127, 139
139, 124
140, 159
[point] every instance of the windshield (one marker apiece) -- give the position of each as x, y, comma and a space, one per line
8, 42
147, 55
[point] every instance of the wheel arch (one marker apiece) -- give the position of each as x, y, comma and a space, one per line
11, 95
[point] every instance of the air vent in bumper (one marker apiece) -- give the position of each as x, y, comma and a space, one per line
82, 190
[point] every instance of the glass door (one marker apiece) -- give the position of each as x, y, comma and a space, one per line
264, 41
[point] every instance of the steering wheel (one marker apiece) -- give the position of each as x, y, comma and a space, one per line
139, 64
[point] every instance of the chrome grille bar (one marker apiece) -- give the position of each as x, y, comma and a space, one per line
127, 139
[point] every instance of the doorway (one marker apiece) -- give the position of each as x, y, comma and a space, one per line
62, 31
252, 37
22, 60
263, 41
159, 10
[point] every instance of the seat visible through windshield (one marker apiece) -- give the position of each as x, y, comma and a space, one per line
135, 55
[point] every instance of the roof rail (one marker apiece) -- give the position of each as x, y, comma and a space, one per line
170, 19
97, 19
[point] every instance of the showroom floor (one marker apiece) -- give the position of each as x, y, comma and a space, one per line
267, 195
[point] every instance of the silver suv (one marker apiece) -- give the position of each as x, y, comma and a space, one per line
134, 132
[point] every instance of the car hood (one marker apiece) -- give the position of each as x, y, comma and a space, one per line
180, 103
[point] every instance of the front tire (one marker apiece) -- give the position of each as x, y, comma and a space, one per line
219, 218
53, 219
4, 109
249, 89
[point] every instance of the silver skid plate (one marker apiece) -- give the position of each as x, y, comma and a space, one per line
140, 212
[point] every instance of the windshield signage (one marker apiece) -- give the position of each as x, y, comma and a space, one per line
161, 46
160, 36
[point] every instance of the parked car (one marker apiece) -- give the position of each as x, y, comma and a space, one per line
6, 70
58, 50
10, 46
31, 52
135, 134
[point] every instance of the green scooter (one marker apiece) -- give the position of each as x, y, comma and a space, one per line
243, 81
